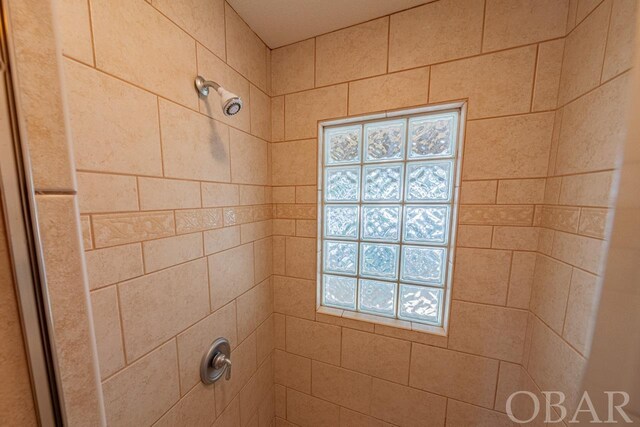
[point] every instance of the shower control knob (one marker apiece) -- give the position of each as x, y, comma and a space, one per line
216, 361
220, 361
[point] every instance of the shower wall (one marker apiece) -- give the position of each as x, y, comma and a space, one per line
175, 206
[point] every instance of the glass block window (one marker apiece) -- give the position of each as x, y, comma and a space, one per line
387, 189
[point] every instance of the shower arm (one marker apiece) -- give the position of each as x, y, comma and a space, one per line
203, 85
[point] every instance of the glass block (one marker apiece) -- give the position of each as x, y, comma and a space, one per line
420, 303
342, 145
384, 141
378, 260
342, 184
383, 183
377, 297
432, 136
339, 291
381, 223
429, 181
340, 257
426, 224
423, 264
341, 221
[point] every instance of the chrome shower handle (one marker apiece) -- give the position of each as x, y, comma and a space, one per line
221, 361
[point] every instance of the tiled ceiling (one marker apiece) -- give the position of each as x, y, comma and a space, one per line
281, 22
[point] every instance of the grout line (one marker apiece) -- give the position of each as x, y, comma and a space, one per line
91, 35
484, 24
606, 40
535, 76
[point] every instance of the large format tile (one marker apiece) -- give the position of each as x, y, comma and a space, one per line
230, 274
341, 386
620, 38
75, 30
254, 307
293, 67
193, 146
548, 70
202, 19
508, 24
159, 193
106, 325
163, 253
294, 163
136, 43
453, 29
106, 192
460, 414
115, 129
481, 275
509, 147
550, 291
248, 159
293, 371
303, 110
294, 297
193, 410
244, 366
475, 78
581, 310
143, 391
112, 265
405, 406
308, 411
352, 53
312, 339
157, 306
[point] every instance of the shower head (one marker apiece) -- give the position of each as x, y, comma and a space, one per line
230, 102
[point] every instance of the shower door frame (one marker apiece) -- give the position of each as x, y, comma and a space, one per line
19, 210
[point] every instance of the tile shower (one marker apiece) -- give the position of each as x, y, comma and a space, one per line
196, 225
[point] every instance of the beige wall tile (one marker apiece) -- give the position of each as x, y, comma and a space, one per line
212, 67
481, 275
85, 226
474, 236
509, 381
294, 297
143, 391
306, 228
620, 38
349, 418
263, 258
583, 252
478, 192
304, 109
231, 415
254, 392
255, 230
581, 310
293, 371
277, 118
593, 129
388, 92
192, 410
248, 159
278, 255
510, 147
190, 220
593, 189
460, 414
384, 357
365, 46
112, 265
265, 338
315, 340
516, 238
521, 191
307, 194
453, 374
106, 325
157, 306
454, 30
475, 78
495, 215
252, 194
300, 258
231, 274
548, 69
163, 253
260, 114
254, 307
490, 331
117, 229
553, 365
593, 222
584, 52
114, 130
406, 406
193, 342
584, 8
293, 67
294, 163
508, 24
244, 366
521, 279
202, 19
193, 146
560, 218
75, 30
245, 51
137, 44
217, 195
158, 194
306, 410
221, 239
551, 283
106, 192
340, 386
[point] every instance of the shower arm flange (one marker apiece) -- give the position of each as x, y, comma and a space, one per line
203, 85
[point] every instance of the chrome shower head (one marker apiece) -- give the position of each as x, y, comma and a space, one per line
230, 102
